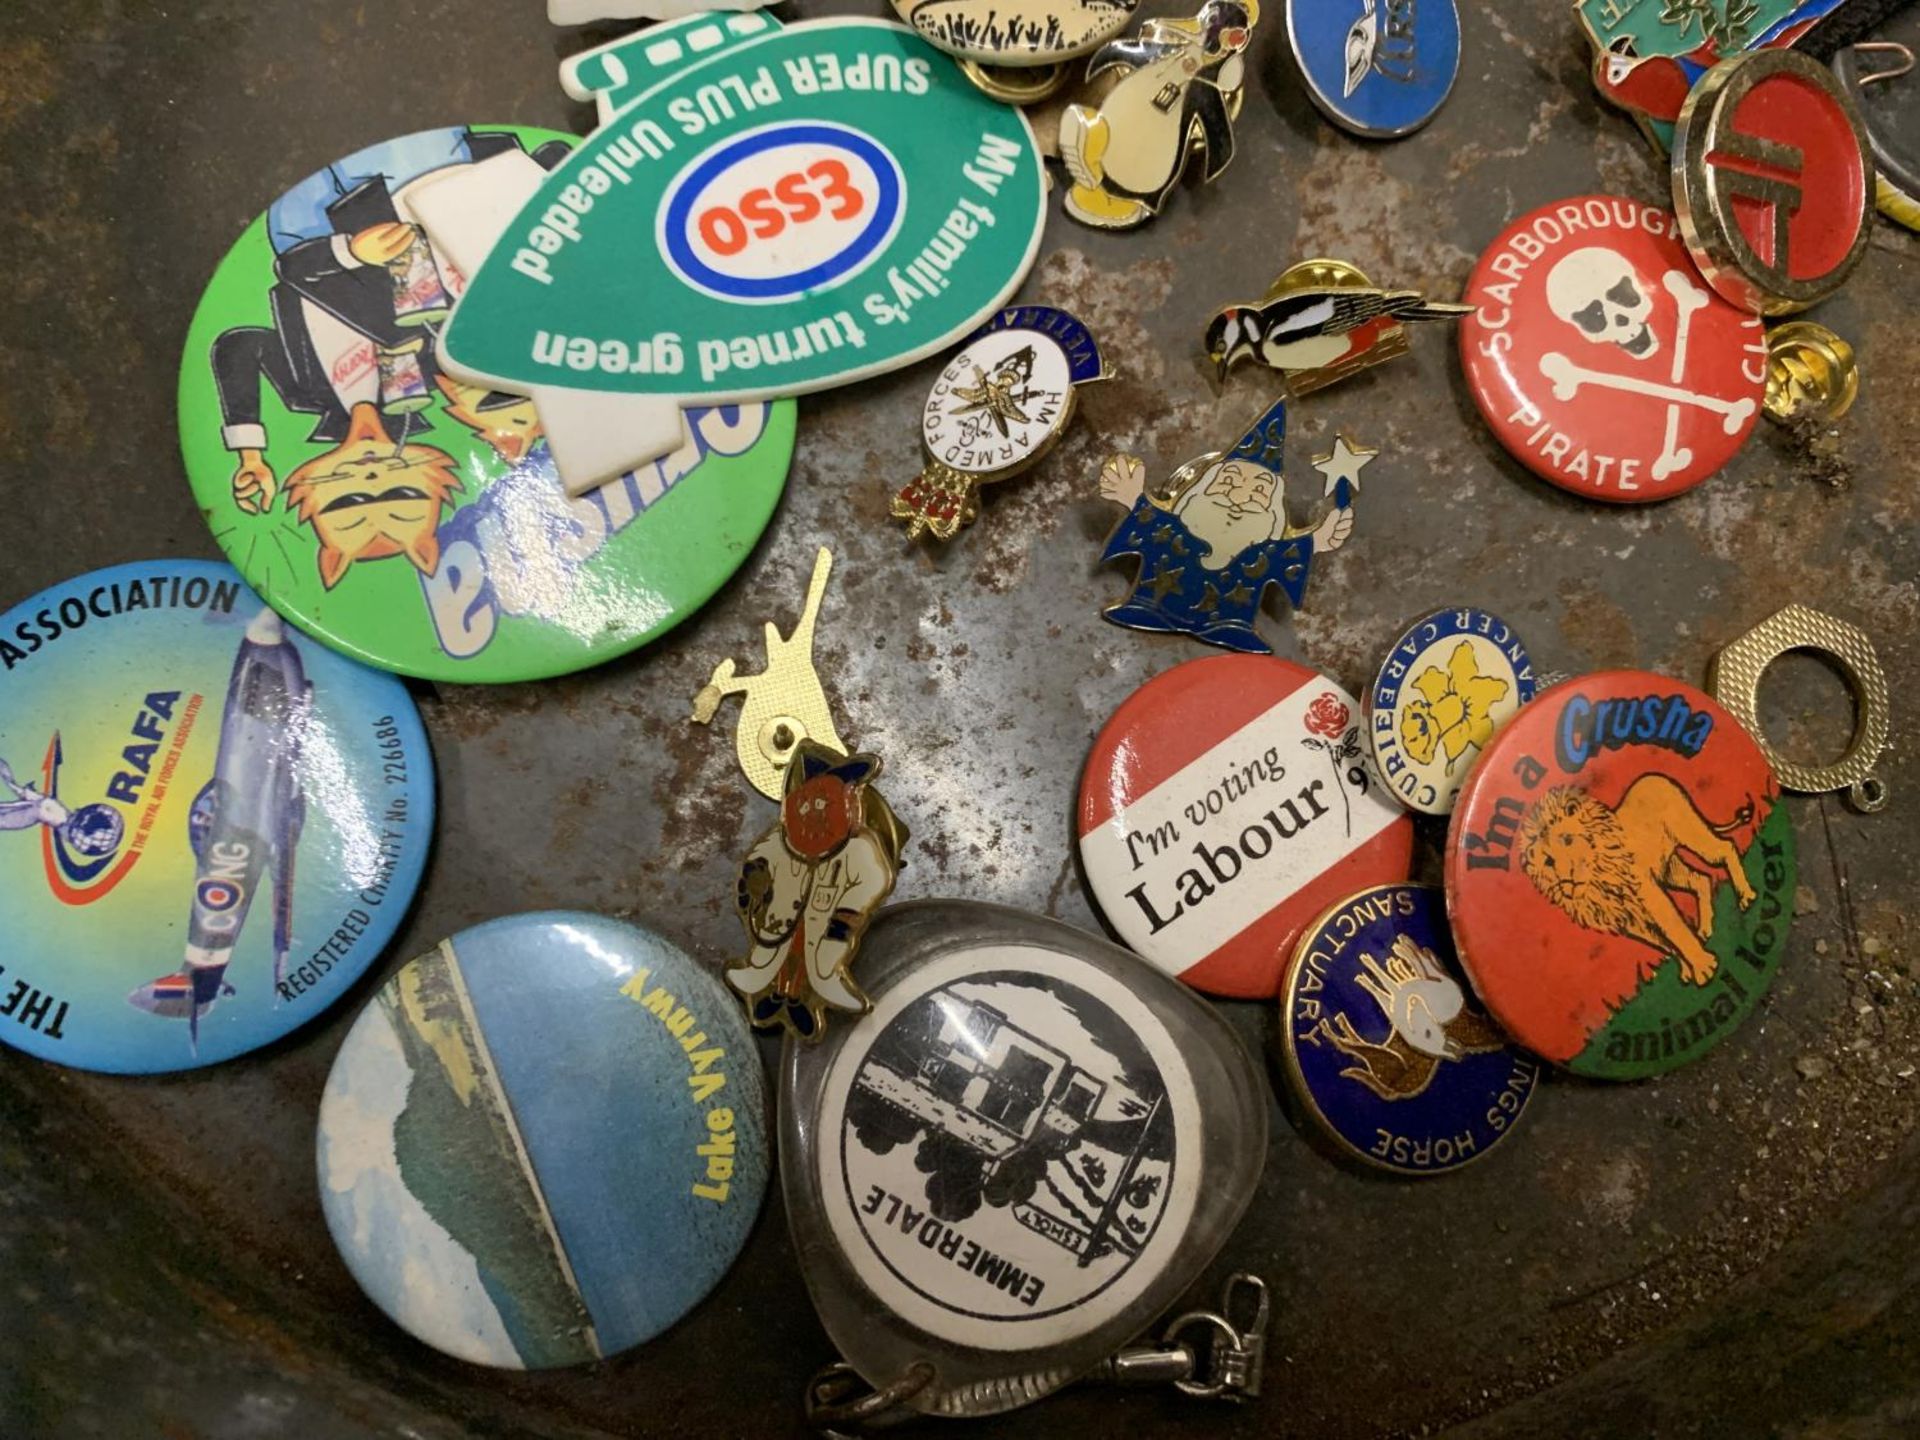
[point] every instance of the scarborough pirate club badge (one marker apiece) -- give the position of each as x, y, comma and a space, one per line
1602, 360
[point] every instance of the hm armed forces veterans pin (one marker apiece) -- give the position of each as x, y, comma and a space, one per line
1601, 360
1224, 805
1620, 875
1377, 68
1384, 1050
209, 825
411, 519
764, 211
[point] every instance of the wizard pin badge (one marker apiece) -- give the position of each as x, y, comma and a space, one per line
1176, 91
996, 410
1217, 536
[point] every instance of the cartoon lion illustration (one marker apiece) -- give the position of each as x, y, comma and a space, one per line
1610, 870
369, 498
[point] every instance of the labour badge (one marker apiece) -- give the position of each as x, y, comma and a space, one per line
1213, 540
995, 411
808, 887
1177, 91
1320, 322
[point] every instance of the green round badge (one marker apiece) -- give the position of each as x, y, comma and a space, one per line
403, 517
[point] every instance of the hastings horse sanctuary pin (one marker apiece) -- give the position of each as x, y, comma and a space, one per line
1320, 322
1176, 91
996, 410
1213, 540
765, 211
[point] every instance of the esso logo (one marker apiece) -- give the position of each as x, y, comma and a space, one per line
781, 212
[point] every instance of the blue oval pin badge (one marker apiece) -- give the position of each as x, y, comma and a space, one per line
1449, 682
765, 211
1378, 68
209, 825
1384, 1049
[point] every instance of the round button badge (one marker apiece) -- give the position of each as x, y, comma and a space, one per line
543, 1142
1620, 875
1382, 73
209, 825
1448, 683
1385, 1051
1600, 360
411, 520
1224, 805
1773, 180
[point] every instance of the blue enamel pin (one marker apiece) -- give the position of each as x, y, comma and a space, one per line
1378, 68
1384, 1050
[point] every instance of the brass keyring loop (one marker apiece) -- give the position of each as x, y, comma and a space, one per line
1735, 682
1017, 84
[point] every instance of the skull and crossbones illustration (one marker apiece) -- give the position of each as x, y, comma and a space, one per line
1598, 293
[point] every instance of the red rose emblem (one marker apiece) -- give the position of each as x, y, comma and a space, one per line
1327, 717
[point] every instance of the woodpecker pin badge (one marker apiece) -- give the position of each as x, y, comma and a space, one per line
996, 410
1176, 88
1217, 535
1321, 322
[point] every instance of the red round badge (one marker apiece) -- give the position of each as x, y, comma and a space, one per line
1225, 807
1600, 358
1620, 874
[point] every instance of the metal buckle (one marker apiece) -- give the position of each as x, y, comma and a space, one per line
1234, 1351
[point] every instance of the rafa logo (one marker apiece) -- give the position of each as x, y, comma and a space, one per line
782, 211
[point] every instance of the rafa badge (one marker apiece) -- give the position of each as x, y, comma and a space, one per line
1601, 361
1448, 683
1382, 73
408, 518
1772, 181
1175, 90
765, 211
1321, 321
1620, 875
543, 1142
995, 411
211, 825
1225, 804
1385, 1052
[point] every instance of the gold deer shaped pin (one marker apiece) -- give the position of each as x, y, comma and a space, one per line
782, 705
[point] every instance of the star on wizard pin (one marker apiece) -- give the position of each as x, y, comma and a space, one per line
1211, 543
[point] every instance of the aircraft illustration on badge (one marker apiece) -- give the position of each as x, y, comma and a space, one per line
1211, 542
244, 822
1177, 91
765, 211
1382, 72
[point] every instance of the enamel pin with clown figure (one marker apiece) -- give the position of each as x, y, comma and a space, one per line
1217, 535
1176, 93
996, 410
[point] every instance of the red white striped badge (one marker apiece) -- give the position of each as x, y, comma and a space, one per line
1225, 807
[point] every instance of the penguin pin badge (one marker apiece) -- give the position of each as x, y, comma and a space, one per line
1176, 90
1319, 323
1217, 535
995, 411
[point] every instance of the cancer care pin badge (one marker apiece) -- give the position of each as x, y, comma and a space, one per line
1025, 1153
1773, 181
404, 516
765, 211
209, 825
1601, 360
544, 1141
1382, 72
1620, 875
1224, 805
996, 410
1453, 679
1385, 1052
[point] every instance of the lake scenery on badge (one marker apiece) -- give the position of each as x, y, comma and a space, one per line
1620, 875
209, 825
1386, 1050
544, 1142
407, 517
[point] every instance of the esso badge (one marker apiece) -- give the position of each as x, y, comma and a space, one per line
781, 212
